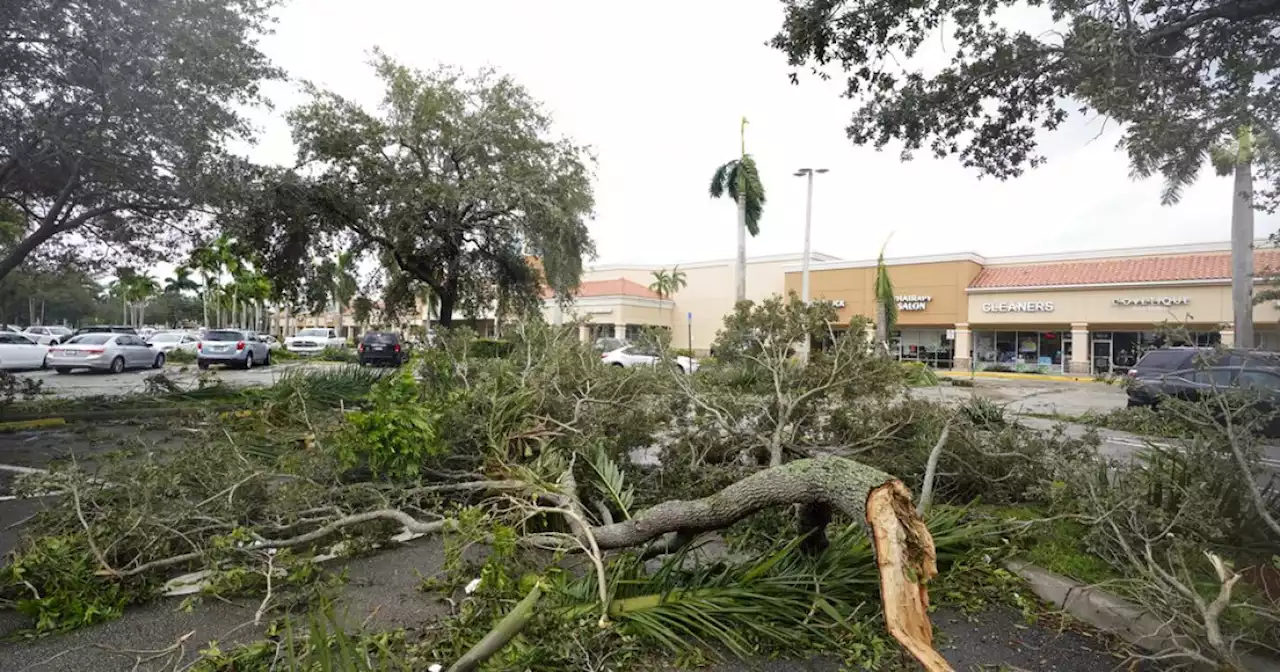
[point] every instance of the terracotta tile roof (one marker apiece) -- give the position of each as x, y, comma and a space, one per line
1209, 266
615, 287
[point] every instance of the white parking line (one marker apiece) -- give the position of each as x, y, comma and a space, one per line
22, 470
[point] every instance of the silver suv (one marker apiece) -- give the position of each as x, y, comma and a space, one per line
232, 347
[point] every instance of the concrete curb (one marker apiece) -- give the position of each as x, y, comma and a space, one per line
1011, 375
1110, 613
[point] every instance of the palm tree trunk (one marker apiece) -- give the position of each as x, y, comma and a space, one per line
882, 325
741, 293
31, 310
204, 304
341, 334
124, 309
1242, 252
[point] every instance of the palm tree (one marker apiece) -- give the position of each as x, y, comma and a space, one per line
678, 280
666, 283
1236, 159
181, 282
142, 289
206, 261
741, 180
344, 285
886, 303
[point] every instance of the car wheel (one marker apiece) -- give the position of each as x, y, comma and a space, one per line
159, 363
248, 361
619, 365
202, 365
63, 369
117, 365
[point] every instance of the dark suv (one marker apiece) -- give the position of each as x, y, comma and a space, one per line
383, 348
106, 329
1190, 373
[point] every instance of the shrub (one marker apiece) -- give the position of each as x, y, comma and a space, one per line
489, 348
283, 355
180, 357
396, 434
917, 374
71, 595
332, 354
998, 368
682, 352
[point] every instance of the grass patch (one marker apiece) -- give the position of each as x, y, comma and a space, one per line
1056, 545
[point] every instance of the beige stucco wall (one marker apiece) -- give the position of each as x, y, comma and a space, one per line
943, 282
708, 295
1206, 305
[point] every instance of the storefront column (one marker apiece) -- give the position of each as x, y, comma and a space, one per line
620, 332
584, 333
1228, 338
962, 359
1081, 349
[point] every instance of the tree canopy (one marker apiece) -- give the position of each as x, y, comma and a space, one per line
1180, 76
454, 183
114, 114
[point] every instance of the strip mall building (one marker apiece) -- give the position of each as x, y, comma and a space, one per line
1084, 312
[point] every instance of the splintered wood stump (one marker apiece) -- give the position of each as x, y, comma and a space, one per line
906, 558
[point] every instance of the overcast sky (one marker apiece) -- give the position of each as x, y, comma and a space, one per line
657, 89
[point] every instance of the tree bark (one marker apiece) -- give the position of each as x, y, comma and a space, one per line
882, 325
1242, 252
741, 275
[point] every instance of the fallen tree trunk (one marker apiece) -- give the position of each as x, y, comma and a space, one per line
905, 555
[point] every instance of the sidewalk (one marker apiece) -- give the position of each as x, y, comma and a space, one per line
1010, 375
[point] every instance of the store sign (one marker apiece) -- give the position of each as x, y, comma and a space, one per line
1018, 307
838, 303
913, 302
1156, 301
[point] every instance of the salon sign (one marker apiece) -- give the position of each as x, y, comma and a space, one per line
913, 302
1155, 302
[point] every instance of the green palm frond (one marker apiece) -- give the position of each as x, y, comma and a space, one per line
611, 482
732, 186
720, 180
884, 291
752, 189
678, 280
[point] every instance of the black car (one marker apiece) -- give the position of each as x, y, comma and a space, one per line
106, 329
1191, 373
383, 348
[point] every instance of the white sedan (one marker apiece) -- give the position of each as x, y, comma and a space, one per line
314, 340
48, 335
168, 341
18, 352
635, 355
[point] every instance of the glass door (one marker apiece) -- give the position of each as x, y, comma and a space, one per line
1102, 353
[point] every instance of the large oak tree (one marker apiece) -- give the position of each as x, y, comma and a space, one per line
113, 113
453, 183
1181, 76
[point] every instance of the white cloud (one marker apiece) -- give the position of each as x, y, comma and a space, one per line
658, 89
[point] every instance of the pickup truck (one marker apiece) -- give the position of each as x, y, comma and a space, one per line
314, 340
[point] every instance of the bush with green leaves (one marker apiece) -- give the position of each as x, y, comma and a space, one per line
332, 354
54, 582
396, 433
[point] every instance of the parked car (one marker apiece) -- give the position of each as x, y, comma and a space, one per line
105, 329
168, 341
1187, 372
314, 340
11, 328
383, 348
48, 335
19, 351
232, 347
636, 355
104, 352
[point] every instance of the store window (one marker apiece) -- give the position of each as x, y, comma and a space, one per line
1040, 351
929, 346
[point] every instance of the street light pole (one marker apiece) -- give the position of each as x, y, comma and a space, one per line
808, 226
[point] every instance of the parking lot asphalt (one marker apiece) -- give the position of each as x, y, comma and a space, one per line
89, 384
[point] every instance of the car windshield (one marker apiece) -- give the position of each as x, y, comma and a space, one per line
380, 337
609, 344
314, 333
91, 339
61, 331
171, 337
224, 336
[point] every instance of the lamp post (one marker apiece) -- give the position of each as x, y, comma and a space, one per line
808, 223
